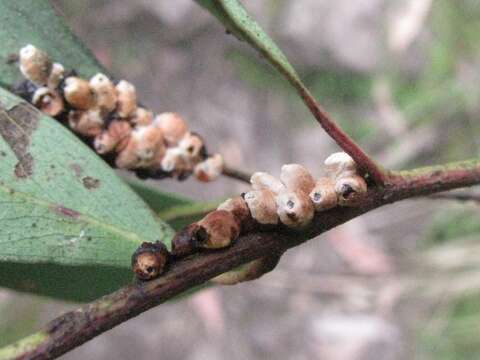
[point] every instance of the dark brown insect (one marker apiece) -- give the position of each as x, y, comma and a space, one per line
150, 260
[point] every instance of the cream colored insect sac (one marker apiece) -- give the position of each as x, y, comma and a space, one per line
221, 230
294, 209
35, 65
323, 195
116, 138
173, 126
145, 147
151, 147
142, 117
297, 178
78, 94
191, 144
262, 180
173, 160
340, 164
104, 91
48, 101
209, 169
350, 190
56, 76
237, 207
262, 206
126, 99
87, 123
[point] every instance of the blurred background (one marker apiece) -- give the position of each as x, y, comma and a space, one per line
401, 77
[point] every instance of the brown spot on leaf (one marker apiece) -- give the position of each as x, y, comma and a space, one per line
64, 211
12, 58
90, 183
16, 128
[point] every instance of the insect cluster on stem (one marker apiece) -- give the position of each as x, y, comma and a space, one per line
107, 115
291, 200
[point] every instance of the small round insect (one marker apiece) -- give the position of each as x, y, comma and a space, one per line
340, 164
48, 101
173, 126
150, 260
221, 230
78, 93
104, 91
350, 190
87, 123
35, 65
191, 145
209, 169
149, 144
323, 195
237, 207
294, 209
126, 99
262, 180
56, 76
142, 117
297, 178
262, 206
115, 138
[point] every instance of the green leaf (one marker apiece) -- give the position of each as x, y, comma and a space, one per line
175, 209
158, 201
236, 19
68, 224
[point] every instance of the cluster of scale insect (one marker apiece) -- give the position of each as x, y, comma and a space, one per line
107, 115
291, 200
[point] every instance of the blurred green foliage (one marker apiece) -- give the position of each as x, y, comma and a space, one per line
453, 224
455, 335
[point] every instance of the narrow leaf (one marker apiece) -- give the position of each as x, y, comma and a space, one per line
236, 19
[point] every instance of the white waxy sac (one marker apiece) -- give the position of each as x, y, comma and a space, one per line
209, 169
35, 65
350, 190
191, 145
323, 195
126, 98
48, 101
173, 126
262, 206
262, 180
294, 209
172, 160
105, 93
87, 123
56, 76
149, 144
297, 178
340, 164
142, 117
78, 93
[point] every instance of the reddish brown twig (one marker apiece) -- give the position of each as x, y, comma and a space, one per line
379, 175
236, 174
76, 327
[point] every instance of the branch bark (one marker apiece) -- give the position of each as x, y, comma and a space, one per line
236, 174
460, 197
76, 327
